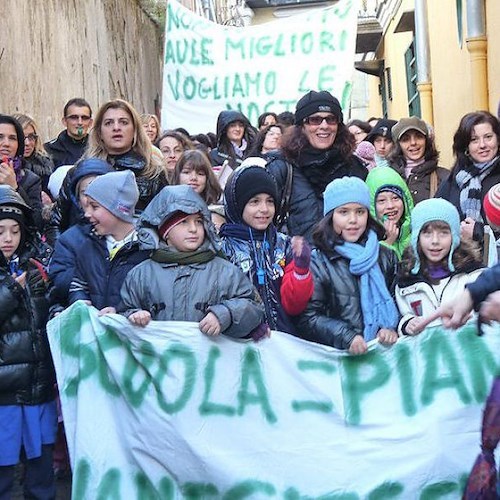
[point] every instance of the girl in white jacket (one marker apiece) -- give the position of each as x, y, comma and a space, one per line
437, 266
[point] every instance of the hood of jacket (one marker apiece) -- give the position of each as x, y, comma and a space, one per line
169, 200
89, 166
227, 117
380, 177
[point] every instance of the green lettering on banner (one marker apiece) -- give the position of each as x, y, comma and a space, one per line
344, 36
440, 353
207, 407
306, 43
109, 487
279, 50
294, 494
72, 347
107, 341
346, 94
138, 370
248, 488
326, 77
479, 360
319, 406
303, 85
326, 41
238, 45
146, 489
386, 490
356, 387
177, 352
438, 490
263, 45
347, 8
81, 478
406, 379
251, 372
199, 491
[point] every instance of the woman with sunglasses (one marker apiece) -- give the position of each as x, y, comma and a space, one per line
317, 150
36, 158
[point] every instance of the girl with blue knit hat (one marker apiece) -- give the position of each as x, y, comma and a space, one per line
353, 274
437, 265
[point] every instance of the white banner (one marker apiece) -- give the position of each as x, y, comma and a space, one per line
167, 412
267, 67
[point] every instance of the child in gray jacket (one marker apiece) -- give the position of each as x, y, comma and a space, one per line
185, 279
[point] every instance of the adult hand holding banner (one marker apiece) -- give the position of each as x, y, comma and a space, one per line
166, 412
268, 67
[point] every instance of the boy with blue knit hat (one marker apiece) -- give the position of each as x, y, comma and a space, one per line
105, 259
437, 266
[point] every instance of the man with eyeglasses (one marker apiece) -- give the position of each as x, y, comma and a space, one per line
70, 144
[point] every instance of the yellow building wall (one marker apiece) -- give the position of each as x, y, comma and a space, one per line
493, 33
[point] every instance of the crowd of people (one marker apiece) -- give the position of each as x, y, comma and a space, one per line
336, 232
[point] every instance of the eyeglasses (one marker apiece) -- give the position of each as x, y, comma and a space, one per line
31, 137
318, 120
75, 118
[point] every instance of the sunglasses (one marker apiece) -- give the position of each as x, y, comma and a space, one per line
318, 120
31, 137
74, 118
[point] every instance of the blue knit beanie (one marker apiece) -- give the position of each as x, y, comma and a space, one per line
435, 209
345, 190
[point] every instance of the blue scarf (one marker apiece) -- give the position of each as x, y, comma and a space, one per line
377, 305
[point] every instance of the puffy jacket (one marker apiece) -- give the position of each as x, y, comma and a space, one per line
63, 262
175, 292
98, 277
64, 150
26, 371
379, 178
42, 166
333, 315
416, 296
305, 206
488, 282
419, 182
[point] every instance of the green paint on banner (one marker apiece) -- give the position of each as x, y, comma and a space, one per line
386, 491
107, 341
439, 355
199, 491
480, 362
355, 387
252, 372
182, 354
81, 478
207, 407
406, 379
248, 488
109, 487
438, 490
309, 405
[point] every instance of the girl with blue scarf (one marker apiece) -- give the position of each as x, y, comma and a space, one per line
353, 274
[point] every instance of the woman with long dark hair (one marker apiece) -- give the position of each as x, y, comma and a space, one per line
314, 152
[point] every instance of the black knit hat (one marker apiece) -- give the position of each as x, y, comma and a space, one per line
314, 102
243, 185
19, 132
383, 128
12, 212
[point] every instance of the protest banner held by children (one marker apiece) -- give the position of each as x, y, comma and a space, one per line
105, 258
186, 279
28, 412
437, 266
277, 264
353, 274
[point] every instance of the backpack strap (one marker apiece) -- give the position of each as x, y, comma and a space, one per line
284, 208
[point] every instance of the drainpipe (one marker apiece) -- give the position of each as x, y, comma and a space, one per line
424, 81
477, 45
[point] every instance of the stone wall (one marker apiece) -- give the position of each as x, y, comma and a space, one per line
53, 50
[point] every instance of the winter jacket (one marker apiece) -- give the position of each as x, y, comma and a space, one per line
416, 296
488, 282
419, 182
175, 292
30, 189
218, 156
63, 263
64, 150
450, 191
377, 179
26, 372
305, 206
98, 277
42, 166
291, 291
333, 315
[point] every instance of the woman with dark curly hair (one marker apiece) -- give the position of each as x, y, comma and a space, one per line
415, 158
314, 152
476, 170
268, 139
